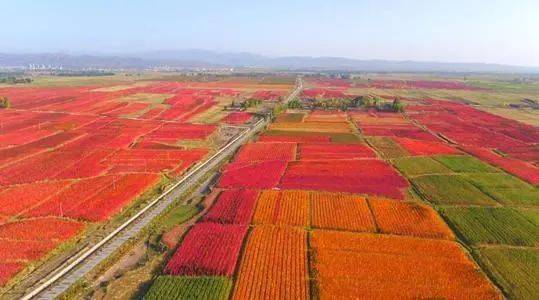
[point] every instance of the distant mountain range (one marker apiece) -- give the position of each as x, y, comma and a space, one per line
211, 59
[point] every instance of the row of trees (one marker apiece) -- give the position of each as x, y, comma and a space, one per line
15, 80
244, 104
376, 102
366, 101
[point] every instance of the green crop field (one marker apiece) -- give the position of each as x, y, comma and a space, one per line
506, 188
531, 214
450, 190
488, 225
387, 147
336, 137
515, 270
465, 164
182, 287
178, 215
420, 165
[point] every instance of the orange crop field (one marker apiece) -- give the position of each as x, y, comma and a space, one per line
341, 211
402, 218
381, 267
282, 208
340, 127
330, 116
274, 265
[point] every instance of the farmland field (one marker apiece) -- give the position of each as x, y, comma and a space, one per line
515, 269
78, 157
435, 200
176, 287
370, 203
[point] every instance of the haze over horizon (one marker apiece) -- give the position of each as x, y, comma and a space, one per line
500, 32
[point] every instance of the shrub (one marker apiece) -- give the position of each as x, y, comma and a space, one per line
4, 102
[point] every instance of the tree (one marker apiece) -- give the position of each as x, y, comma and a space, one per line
397, 105
295, 104
377, 102
367, 100
4, 102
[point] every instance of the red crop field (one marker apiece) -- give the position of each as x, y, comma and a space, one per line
16, 199
238, 118
266, 152
312, 151
354, 176
267, 95
208, 249
112, 199
24, 250
417, 147
295, 139
8, 270
479, 133
248, 175
41, 229
323, 93
233, 207
71, 156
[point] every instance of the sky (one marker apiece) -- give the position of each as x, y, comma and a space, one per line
488, 31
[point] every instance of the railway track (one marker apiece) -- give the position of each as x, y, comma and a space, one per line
61, 279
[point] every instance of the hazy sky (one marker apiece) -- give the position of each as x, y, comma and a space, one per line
453, 30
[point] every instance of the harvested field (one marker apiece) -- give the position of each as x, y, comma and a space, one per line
387, 147
290, 118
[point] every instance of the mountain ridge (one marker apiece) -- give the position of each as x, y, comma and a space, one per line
196, 58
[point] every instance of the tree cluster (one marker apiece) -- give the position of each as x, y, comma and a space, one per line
4, 102
15, 80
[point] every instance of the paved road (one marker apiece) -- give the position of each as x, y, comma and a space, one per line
61, 280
